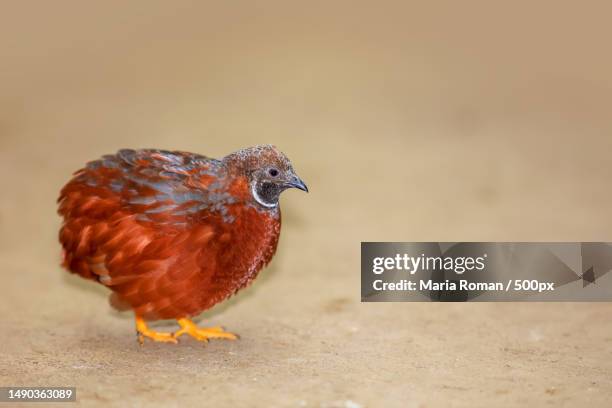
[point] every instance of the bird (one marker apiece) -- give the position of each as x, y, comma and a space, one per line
173, 233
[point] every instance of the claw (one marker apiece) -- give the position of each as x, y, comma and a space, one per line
142, 330
202, 334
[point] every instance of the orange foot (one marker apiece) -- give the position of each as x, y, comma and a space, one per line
143, 331
202, 334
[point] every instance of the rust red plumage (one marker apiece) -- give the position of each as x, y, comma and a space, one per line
174, 233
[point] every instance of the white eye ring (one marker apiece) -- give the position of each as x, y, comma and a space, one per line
259, 199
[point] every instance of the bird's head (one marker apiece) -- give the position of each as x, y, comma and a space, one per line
268, 171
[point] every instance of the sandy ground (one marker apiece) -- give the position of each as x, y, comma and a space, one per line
408, 123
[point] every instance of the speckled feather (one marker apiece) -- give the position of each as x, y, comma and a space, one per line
170, 233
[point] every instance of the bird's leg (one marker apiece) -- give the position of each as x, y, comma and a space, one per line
142, 330
202, 334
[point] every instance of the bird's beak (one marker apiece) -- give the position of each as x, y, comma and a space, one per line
296, 182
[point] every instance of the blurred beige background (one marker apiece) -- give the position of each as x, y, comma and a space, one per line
409, 121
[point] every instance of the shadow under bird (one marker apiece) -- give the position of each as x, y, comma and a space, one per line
174, 233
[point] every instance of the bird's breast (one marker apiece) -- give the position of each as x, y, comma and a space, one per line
246, 245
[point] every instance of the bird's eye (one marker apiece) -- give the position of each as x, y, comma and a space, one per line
273, 172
